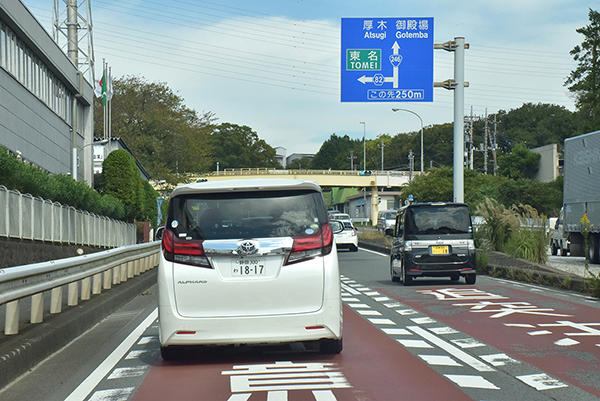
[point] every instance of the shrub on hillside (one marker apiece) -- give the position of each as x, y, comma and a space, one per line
26, 178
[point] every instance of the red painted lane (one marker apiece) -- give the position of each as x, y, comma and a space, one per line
377, 367
571, 364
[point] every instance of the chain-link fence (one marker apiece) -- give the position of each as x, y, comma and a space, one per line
27, 217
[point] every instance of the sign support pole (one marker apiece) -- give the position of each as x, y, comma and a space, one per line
459, 126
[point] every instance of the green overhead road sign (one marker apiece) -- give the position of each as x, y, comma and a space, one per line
363, 59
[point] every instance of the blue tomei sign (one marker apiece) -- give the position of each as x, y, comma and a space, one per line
387, 59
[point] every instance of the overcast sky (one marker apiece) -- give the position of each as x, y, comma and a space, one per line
275, 65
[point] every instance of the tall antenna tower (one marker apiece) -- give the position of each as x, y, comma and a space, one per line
73, 33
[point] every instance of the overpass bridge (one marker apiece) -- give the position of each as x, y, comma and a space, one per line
325, 178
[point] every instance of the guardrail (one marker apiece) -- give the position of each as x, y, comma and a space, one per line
83, 275
24, 216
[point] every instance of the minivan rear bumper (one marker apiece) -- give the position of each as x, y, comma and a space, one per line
463, 265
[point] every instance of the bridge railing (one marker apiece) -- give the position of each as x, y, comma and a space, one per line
270, 171
83, 276
24, 216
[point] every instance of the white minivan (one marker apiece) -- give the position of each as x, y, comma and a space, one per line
248, 262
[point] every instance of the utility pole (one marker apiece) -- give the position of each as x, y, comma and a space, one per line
485, 145
411, 161
382, 146
364, 146
494, 146
352, 158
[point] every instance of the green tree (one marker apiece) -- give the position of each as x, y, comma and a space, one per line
334, 153
301, 163
520, 163
164, 135
584, 81
121, 179
238, 146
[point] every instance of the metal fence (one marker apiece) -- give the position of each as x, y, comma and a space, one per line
83, 276
27, 217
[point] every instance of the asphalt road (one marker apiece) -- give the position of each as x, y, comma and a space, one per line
433, 340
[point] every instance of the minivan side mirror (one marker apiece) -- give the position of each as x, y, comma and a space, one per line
159, 232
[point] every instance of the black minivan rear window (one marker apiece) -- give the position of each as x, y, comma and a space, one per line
438, 219
240, 215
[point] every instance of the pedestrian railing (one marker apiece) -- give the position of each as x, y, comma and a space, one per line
24, 216
83, 276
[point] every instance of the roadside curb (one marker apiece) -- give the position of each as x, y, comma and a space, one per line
21, 352
504, 266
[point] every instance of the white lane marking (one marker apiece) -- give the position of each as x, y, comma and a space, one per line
415, 343
472, 381
597, 345
468, 343
375, 252
539, 332
358, 305
498, 359
541, 381
279, 395
452, 350
397, 332
350, 299
239, 397
112, 394
393, 305
146, 340
381, 299
134, 371
372, 293
525, 325
363, 289
324, 395
135, 354
355, 285
108, 364
406, 312
439, 360
443, 330
566, 342
422, 320
368, 312
382, 321
350, 290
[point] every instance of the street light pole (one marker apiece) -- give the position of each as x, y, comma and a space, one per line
364, 148
421, 121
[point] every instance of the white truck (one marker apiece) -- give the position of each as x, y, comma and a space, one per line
581, 196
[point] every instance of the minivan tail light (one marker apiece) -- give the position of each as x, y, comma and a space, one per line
188, 252
310, 246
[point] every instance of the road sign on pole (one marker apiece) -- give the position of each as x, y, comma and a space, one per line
387, 59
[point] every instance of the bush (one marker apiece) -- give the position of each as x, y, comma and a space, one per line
121, 179
26, 178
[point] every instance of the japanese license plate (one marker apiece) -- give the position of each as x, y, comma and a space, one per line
248, 267
439, 250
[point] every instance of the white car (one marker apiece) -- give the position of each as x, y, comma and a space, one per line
248, 262
347, 238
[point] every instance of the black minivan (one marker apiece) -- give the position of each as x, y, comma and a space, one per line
433, 239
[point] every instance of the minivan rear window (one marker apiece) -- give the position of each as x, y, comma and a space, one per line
434, 219
241, 215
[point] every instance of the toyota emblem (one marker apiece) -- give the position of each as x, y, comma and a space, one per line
247, 248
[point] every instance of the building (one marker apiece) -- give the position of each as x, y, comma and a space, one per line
280, 153
296, 156
103, 147
46, 105
355, 204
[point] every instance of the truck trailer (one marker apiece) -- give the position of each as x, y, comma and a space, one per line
581, 196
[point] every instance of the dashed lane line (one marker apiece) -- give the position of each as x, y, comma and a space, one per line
90, 382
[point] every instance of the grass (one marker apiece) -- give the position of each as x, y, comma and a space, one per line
374, 235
